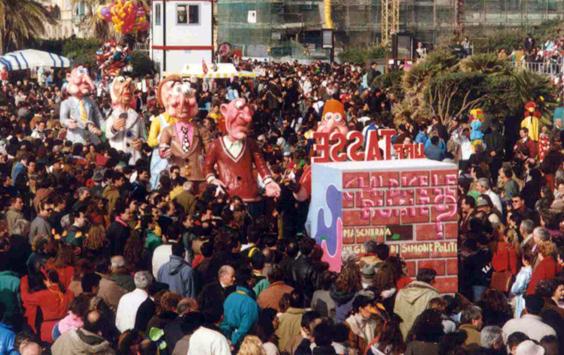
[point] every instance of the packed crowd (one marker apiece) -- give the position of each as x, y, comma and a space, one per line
104, 252
544, 58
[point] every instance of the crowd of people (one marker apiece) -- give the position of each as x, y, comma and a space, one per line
100, 255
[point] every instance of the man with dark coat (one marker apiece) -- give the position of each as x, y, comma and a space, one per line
213, 294
119, 230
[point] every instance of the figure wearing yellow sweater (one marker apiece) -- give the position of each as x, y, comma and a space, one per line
158, 164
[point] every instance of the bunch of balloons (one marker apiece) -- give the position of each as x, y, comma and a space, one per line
127, 16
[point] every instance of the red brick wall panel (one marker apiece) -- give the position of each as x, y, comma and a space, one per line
355, 180
414, 178
436, 264
446, 284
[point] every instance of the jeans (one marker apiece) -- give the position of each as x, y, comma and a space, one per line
477, 291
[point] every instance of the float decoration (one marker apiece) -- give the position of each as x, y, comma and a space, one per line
127, 16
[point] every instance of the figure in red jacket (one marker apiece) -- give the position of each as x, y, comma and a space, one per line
235, 156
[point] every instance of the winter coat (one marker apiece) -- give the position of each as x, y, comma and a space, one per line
240, 313
344, 303
270, 298
53, 303
9, 294
545, 270
7, 338
79, 342
505, 258
472, 334
289, 327
411, 301
518, 289
179, 276
213, 295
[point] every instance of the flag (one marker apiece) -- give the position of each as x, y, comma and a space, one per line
204, 67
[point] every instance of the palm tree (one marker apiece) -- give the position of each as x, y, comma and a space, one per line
21, 21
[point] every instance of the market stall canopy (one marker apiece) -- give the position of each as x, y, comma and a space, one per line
31, 59
214, 71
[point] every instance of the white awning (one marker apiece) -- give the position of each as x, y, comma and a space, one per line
214, 71
32, 58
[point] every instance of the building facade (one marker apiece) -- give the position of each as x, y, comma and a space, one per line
293, 27
69, 15
181, 33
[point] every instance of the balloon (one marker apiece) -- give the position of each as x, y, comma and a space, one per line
125, 15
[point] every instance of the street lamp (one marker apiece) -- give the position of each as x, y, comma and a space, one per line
328, 42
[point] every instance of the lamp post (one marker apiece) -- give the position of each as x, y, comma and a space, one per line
328, 42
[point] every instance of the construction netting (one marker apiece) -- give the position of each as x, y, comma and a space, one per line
293, 27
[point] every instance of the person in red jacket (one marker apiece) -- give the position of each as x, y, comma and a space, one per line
547, 268
52, 300
505, 256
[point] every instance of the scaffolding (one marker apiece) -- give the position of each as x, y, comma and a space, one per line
389, 20
293, 27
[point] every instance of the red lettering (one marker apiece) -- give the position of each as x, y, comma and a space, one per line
338, 147
354, 151
401, 150
321, 147
338, 143
387, 134
418, 151
372, 150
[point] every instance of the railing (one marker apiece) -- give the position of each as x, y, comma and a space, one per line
551, 69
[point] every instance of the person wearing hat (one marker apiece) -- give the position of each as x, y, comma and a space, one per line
97, 177
485, 210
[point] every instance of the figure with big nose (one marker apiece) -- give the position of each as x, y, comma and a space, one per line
125, 129
231, 160
80, 114
181, 142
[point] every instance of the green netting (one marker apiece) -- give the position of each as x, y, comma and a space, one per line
292, 27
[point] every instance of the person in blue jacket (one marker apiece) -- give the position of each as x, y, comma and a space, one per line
240, 310
7, 336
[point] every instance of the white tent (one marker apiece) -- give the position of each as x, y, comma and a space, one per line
214, 71
31, 59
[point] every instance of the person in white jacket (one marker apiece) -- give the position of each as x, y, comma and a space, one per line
125, 128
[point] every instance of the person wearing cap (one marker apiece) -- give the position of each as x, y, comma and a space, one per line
413, 299
130, 302
530, 323
485, 209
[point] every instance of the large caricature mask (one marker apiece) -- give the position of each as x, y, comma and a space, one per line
333, 118
80, 83
238, 116
178, 99
122, 91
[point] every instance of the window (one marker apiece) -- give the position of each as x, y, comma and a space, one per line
80, 9
157, 14
187, 14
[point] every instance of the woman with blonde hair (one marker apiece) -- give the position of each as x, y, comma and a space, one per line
251, 346
546, 268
